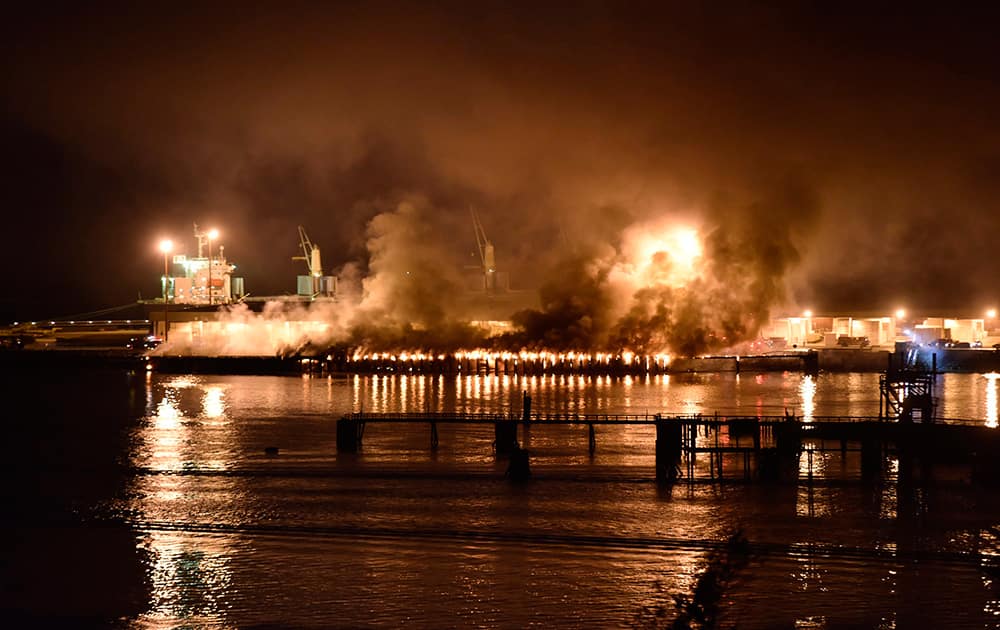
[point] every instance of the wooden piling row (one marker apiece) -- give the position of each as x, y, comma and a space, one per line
451, 365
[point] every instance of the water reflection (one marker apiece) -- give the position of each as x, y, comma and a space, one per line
196, 424
187, 428
214, 406
991, 399
968, 396
807, 393
889, 496
808, 574
813, 501
167, 414
191, 578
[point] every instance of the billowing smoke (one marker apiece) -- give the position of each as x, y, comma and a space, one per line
281, 329
657, 286
407, 299
664, 289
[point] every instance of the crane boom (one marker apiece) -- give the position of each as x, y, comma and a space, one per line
486, 253
310, 254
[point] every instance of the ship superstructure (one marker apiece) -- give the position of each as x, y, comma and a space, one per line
203, 280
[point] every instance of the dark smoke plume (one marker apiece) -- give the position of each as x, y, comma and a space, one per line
741, 276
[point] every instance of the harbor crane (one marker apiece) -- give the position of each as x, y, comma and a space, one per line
486, 255
315, 284
310, 254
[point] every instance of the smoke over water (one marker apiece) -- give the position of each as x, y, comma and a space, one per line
599, 143
656, 286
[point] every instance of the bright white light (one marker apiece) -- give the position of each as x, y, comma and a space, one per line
688, 246
662, 255
992, 313
808, 313
900, 313
166, 245
213, 234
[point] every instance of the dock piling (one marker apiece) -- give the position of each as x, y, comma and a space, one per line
518, 468
348, 435
505, 432
871, 458
668, 449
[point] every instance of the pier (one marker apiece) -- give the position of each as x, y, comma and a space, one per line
739, 448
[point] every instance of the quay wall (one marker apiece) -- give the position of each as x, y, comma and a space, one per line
981, 360
852, 360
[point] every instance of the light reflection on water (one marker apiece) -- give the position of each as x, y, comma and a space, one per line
813, 501
199, 425
807, 392
889, 499
191, 579
214, 406
991, 398
960, 395
189, 411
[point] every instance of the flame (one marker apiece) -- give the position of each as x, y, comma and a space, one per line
662, 255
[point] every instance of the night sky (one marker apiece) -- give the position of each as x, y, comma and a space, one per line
867, 137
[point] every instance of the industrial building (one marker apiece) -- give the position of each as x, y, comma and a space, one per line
878, 330
830, 330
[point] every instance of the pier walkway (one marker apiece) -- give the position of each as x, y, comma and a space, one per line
763, 448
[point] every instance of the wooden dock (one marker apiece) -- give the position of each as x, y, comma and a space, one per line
767, 448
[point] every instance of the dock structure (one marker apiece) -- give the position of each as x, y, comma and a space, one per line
906, 389
745, 448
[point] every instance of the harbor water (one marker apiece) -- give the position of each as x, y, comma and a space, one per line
145, 500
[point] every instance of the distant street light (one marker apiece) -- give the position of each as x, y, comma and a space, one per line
900, 313
166, 246
991, 314
212, 235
